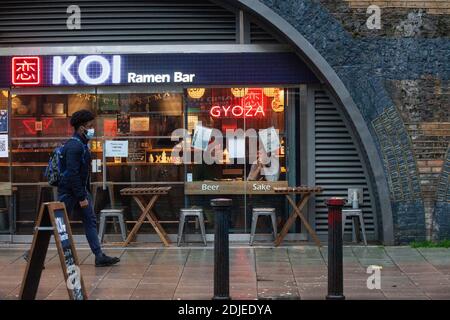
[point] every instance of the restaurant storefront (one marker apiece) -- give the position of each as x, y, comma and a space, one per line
149, 105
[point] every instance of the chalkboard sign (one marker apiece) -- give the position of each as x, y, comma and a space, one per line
52, 220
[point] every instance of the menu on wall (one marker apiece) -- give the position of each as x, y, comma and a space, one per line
123, 123
3, 121
3, 146
139, 124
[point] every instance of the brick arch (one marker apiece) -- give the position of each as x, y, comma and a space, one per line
327, 74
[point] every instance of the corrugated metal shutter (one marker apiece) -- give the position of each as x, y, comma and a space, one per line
116, 22
260, 35
338, 163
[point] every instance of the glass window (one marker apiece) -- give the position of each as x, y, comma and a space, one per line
255, 116
145, 121
39, 123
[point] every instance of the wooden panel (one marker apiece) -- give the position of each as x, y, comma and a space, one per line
232, 187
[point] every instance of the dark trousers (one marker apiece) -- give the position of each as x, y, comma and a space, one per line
88, 218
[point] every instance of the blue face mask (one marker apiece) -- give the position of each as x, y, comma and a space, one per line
90, 133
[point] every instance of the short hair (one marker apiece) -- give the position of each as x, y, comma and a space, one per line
80, 118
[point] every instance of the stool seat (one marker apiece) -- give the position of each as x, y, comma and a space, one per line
261, 211
256, 212
112, 213
191, 212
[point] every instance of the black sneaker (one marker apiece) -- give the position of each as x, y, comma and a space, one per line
105, 261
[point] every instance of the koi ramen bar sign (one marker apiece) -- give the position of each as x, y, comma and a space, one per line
190, 69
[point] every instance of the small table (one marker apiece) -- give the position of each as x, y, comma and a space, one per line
306, 193
146, 198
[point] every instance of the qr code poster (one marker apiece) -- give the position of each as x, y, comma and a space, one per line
3, 146
3, 121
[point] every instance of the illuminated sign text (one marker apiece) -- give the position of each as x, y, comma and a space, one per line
91, 70
249, 111
26, 71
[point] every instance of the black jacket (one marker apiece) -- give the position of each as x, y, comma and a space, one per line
75, 166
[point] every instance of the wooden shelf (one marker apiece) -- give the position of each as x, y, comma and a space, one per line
29, 164
112, 164
31, 150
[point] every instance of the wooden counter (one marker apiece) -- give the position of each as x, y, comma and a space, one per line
232, 187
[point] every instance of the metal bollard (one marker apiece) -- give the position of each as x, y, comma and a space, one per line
221, 249
335, 268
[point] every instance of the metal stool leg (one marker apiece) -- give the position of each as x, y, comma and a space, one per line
254, 223
274, 225
344, 218
123, 230
101, 231
363, 227
180, 229
201, 221
352, 219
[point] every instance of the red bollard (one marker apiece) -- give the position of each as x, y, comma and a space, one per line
335, 268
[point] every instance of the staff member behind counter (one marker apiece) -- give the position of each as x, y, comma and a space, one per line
264, 167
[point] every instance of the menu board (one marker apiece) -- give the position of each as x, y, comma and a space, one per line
138, 124
69, 259
137, 156
53, 220
3, 121
123, 123
4, 146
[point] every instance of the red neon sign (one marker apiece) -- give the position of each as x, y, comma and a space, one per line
26, 71
250, 106
248, 111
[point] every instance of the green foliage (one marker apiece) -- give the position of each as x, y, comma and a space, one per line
431, 244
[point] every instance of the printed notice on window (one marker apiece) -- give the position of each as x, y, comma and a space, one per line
201, 137
269, 139
116, 148
3, 146
236, 147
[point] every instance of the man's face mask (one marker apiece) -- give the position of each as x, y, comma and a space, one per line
89, 133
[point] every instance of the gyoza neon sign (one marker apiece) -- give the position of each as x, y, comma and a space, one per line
248, 111
250, 106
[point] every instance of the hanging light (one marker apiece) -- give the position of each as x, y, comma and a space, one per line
239, 92
196, 93
269, 92
5, 93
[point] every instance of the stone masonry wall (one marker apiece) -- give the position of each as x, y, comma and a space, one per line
399, 78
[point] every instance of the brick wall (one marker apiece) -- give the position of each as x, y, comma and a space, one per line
398, 76
431, 6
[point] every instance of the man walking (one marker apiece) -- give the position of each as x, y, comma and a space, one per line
73, 189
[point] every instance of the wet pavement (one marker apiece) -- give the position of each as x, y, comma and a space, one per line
259, 272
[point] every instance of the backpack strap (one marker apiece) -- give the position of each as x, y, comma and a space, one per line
82, 144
